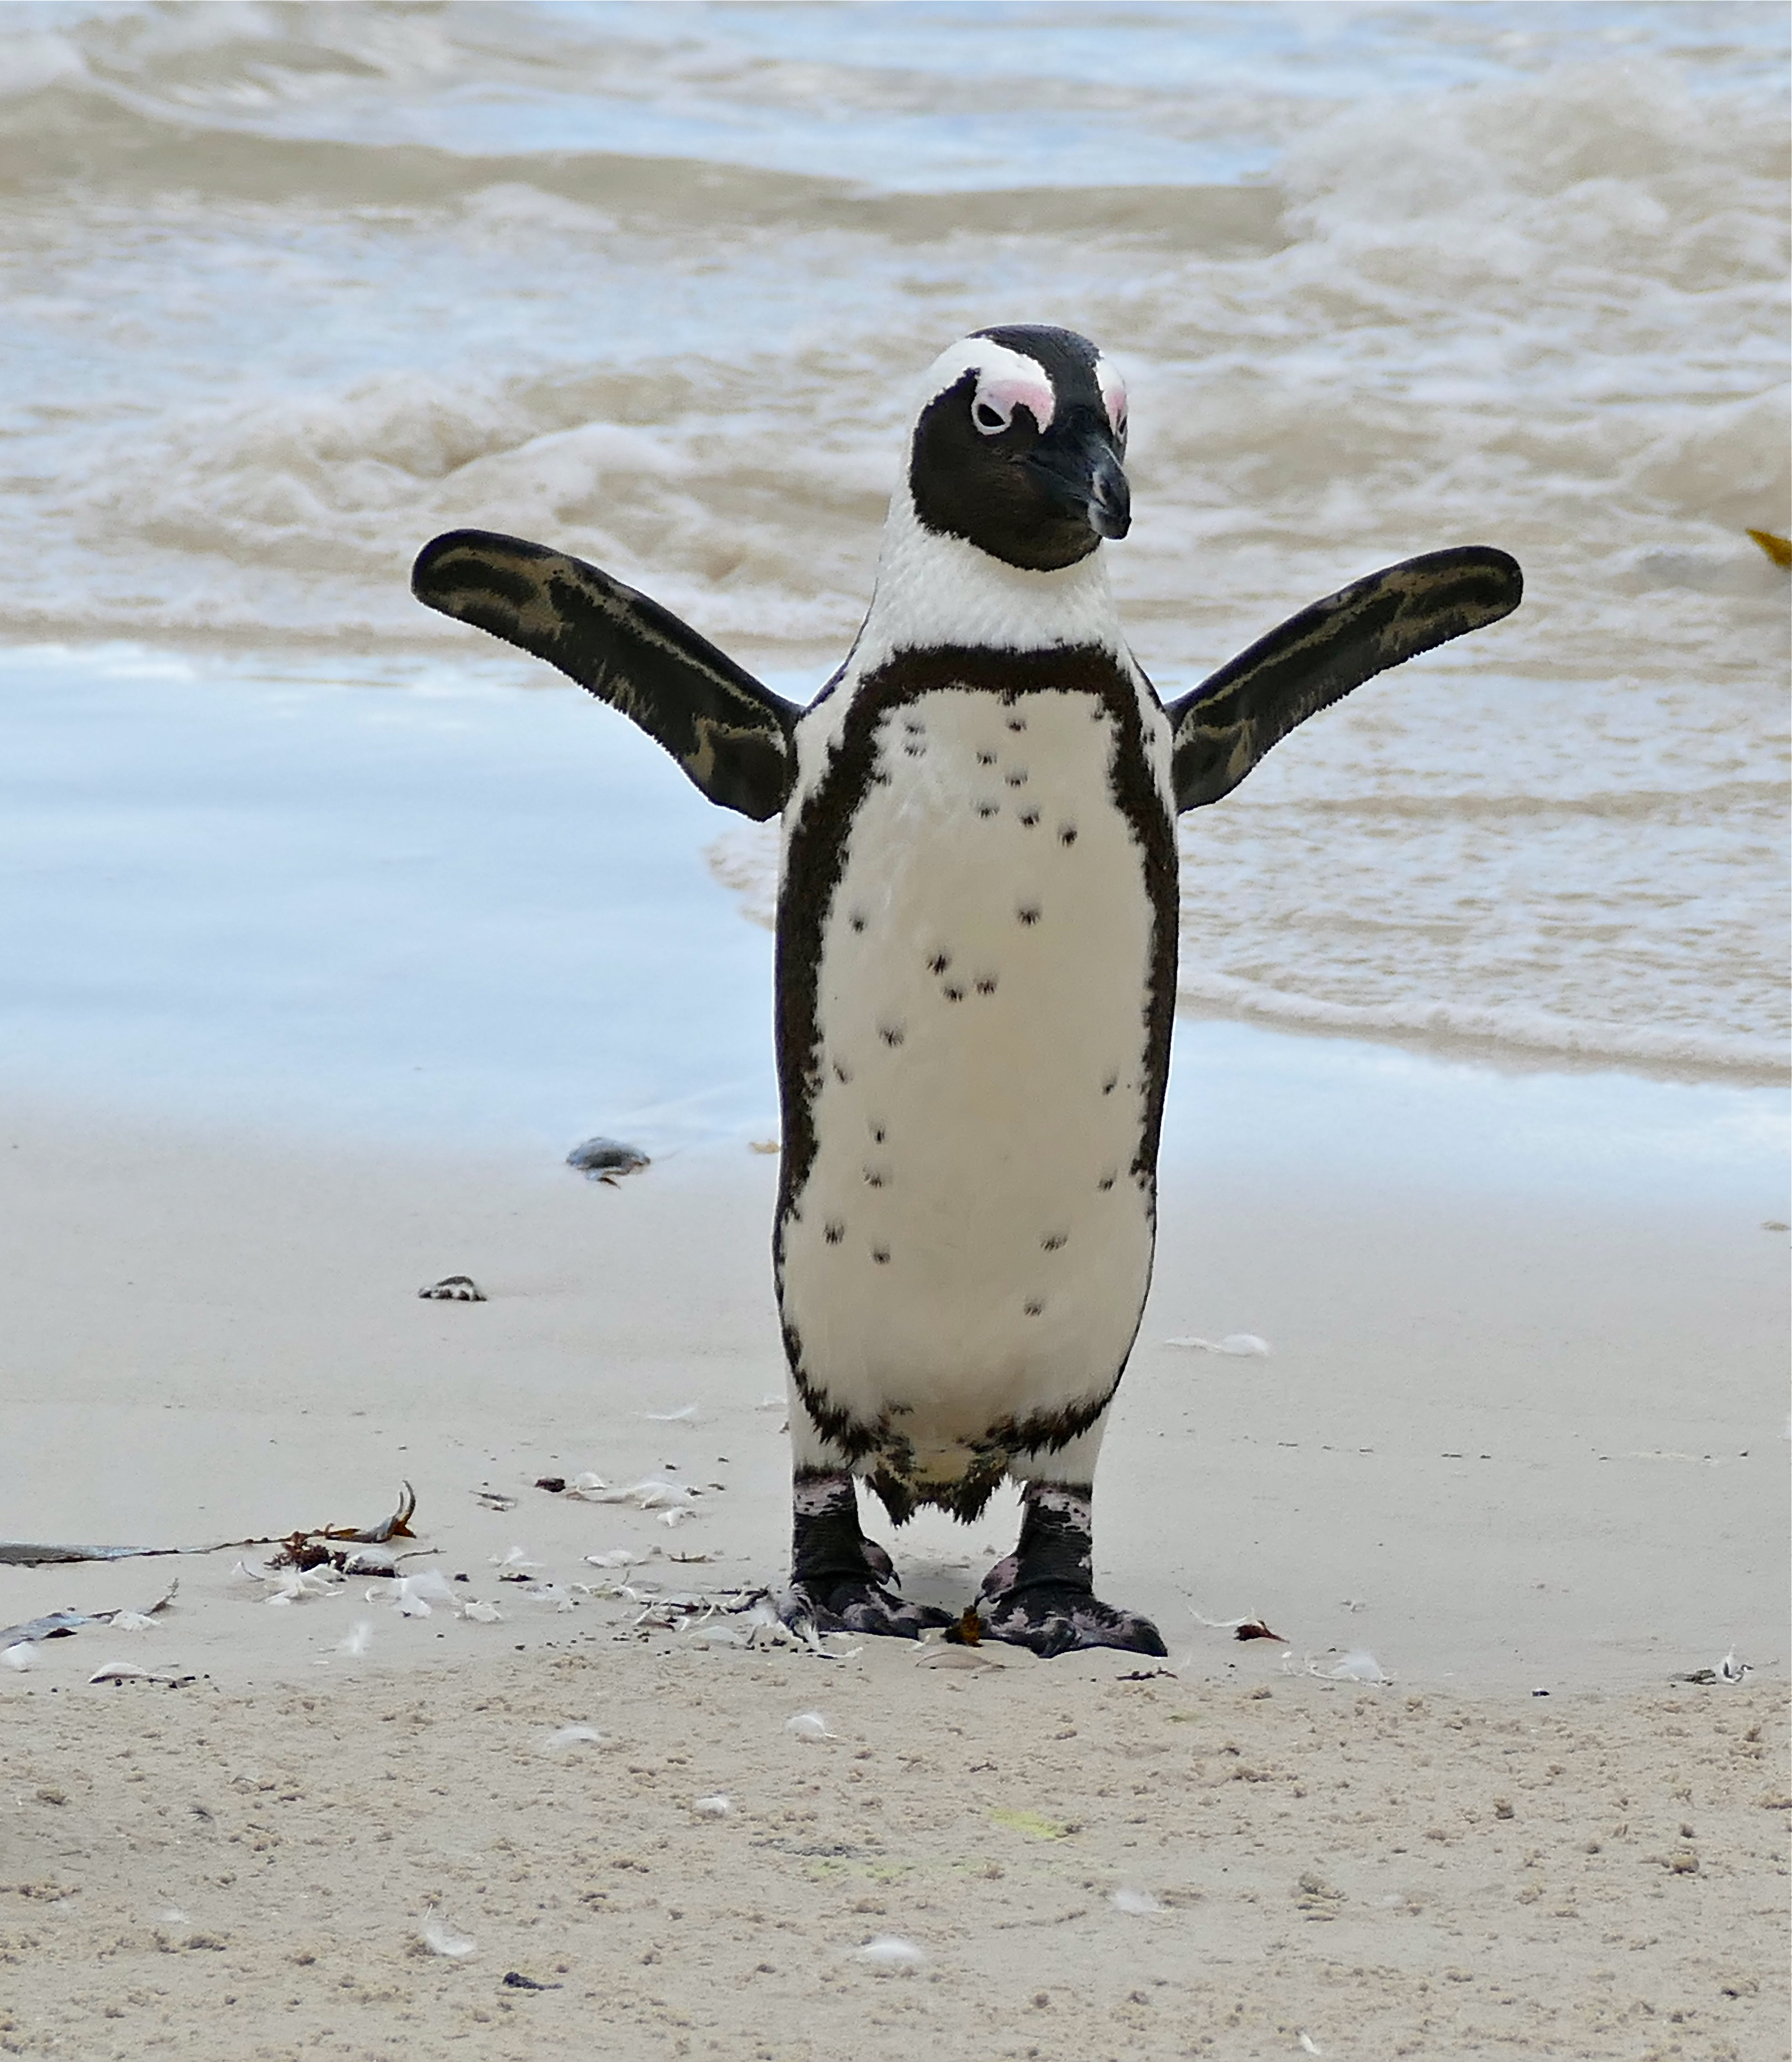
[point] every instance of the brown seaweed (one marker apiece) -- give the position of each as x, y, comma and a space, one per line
31, 1553
310, 1548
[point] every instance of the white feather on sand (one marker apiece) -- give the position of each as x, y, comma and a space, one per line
439, 1938
284, 1586
938, 1654
293, 1586
1359, 1666
810, 1726
573, 1736
886, 1953
413, 1596
656, 1494
708, 1634
1226, 1624
653, 1493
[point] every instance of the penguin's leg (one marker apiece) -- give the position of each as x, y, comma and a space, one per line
839, 1580
1042, 1595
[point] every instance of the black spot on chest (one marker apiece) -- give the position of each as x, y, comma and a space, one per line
882, 714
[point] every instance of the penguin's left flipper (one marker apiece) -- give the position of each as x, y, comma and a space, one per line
1225, 726
732, 735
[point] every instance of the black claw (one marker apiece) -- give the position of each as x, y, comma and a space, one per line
1058, 1617
859, 1607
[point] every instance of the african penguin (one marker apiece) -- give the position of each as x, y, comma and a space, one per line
976, 951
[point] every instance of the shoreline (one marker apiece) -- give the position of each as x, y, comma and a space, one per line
434, 863
1530, 1424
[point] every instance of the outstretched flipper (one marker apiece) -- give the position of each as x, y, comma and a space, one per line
732, 736
1234, 716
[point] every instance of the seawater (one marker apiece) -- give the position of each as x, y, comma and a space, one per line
290, 288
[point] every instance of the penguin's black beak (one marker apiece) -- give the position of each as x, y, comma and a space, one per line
1080, 471
1110, 498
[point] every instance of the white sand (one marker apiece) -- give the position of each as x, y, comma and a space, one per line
1502, 1446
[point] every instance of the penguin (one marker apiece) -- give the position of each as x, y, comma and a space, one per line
977, 951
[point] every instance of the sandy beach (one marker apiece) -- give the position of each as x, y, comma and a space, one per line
1495, 1447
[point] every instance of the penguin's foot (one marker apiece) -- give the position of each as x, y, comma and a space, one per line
1057, 1617
840, 1581
858, 1607
1040, 1596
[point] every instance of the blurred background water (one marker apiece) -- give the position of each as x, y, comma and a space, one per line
290, 288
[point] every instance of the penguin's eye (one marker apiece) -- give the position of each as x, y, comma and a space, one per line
1001, 390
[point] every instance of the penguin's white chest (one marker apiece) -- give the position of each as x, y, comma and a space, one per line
974, 1240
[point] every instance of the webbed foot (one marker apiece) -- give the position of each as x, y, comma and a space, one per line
1040, 1596
840, 1581
1057, 1617
864, 1606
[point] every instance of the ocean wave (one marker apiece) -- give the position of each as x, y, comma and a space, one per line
1389, 1001
1537, 1031
1693, 803
1487, 313
328, 497
291, 289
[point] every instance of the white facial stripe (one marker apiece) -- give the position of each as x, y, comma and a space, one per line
1113, 393
1004, 377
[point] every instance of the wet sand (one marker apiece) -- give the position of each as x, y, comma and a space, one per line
1504, 1441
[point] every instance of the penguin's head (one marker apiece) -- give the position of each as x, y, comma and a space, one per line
1019, 445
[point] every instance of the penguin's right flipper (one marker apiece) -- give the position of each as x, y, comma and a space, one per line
1221, 730
732, 736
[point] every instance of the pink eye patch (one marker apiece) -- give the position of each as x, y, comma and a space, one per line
1002, 392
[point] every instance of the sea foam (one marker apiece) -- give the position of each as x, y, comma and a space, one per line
289, 292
